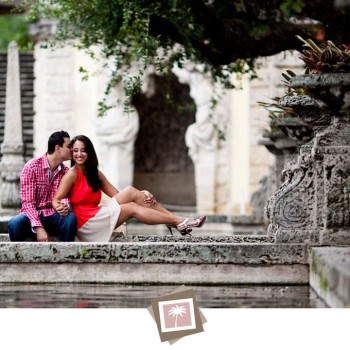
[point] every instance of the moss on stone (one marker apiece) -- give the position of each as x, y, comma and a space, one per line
324, 285
314, 264
83, 252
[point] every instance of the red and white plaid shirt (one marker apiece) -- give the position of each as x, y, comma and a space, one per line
38, 188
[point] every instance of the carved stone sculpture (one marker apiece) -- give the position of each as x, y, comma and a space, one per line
312, 204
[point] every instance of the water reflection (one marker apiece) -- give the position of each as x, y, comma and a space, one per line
134, 296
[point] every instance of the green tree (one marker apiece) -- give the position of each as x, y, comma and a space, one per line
224, 36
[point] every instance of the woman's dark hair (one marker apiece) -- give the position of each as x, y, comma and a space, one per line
91, 164
57, 138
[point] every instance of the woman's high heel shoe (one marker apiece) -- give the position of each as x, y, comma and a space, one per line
198, 222
182, 228
185, 227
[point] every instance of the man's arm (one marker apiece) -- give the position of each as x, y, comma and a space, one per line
28, 196
28, 199
41, 234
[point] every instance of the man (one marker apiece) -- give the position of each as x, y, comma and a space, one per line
39, 181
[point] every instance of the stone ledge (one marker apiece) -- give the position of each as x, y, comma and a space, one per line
205, 274
4, 237
330, 275
154, 252
234, 220
200, 238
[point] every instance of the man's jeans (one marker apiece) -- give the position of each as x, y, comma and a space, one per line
62, 227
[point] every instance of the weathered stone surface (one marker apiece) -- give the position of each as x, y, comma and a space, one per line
330, 274
200, 239
155, 262
294, 128
112, 295
146, 252
4, 237
151, 273
284, 147
312, 204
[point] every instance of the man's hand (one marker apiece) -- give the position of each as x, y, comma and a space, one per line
41, 234
150, 200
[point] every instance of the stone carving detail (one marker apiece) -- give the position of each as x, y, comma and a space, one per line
283, 147
268, 185
312, 111
337, 174
291, 205
208, 152
117, 133
312, 204
201, 135
338, 197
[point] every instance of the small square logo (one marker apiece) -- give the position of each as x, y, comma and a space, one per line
177, 315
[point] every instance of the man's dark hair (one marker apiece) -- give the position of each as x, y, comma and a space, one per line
57, 138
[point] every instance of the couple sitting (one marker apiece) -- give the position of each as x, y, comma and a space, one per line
46, 183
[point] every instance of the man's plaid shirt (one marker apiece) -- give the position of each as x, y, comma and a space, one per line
38, 188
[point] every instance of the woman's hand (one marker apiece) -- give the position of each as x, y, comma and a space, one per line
60, 207
150, 200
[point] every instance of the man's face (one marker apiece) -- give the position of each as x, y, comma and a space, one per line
66, 150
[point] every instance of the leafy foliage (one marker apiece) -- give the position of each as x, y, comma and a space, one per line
275, 109
223, 36
14, 27
158, 33
291, 7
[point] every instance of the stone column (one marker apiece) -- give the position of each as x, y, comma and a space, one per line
12, 148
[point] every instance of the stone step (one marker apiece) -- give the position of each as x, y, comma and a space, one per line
226, 225
4, 237
140, 262
330, 275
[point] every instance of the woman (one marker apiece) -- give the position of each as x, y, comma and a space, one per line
85, 183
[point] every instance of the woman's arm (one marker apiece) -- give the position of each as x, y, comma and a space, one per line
106, 186
64, 187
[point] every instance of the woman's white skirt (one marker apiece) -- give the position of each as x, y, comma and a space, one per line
100, 228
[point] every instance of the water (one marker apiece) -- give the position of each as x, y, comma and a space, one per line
135, 296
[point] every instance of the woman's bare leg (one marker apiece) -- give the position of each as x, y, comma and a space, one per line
131, 194
132, 203
146, 215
